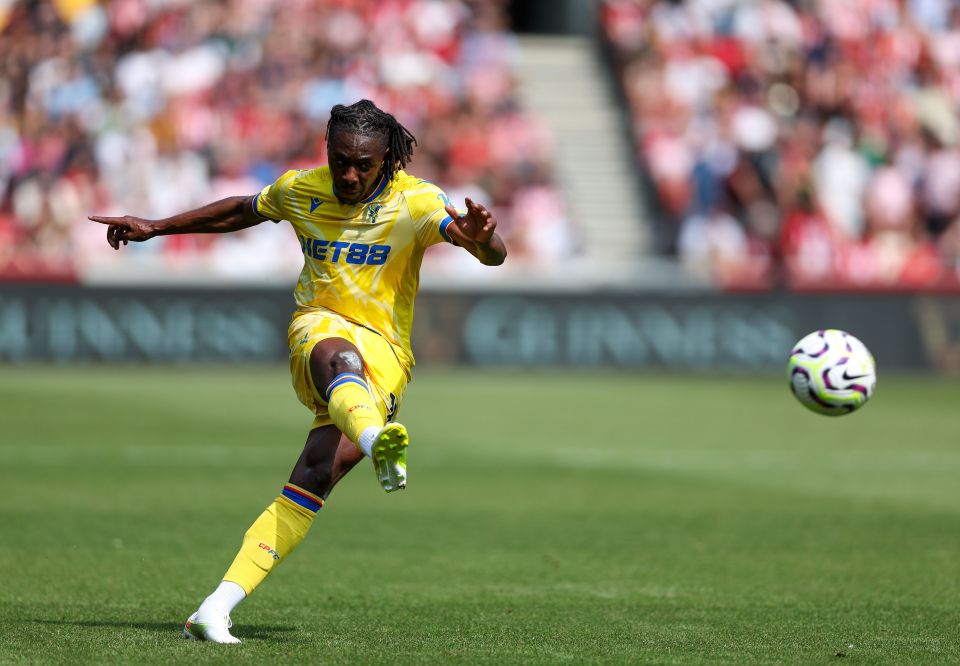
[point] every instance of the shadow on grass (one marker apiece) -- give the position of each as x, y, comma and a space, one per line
268, 632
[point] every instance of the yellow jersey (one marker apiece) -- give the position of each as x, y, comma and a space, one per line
361, 260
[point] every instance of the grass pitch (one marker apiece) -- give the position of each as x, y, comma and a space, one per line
550, 518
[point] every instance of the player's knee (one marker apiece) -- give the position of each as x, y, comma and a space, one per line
346, 360
331, 358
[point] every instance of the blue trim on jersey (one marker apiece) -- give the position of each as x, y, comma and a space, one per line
376, 193
256, 209
443, 228
345, 378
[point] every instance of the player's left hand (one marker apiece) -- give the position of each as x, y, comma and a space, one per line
477, 225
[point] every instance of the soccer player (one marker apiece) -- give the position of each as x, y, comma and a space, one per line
363, 225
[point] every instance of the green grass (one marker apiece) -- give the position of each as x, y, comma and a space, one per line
550, 518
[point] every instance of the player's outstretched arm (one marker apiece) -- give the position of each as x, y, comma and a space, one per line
476, 233
230, 214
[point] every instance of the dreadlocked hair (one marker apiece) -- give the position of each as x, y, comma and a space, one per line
366, 119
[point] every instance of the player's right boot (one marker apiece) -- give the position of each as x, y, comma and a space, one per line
389, 453
215, 629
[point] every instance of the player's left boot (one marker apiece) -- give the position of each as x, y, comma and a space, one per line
213, 629
389, 453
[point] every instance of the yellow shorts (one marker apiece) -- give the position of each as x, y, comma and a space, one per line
385, 374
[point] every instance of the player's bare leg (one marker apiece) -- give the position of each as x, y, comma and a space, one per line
326, 458
337, 369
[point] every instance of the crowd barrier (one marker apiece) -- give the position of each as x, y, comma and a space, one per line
695, 332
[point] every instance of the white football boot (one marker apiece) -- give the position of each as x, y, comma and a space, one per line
215, 628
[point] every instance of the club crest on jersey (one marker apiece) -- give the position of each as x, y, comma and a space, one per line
373, 210
315, 203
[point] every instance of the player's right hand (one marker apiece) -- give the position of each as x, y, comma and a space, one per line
125, 229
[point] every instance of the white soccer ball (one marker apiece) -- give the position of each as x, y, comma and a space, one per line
831, 372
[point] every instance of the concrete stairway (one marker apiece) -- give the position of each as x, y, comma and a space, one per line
563, 81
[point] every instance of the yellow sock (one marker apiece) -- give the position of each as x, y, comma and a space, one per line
273, 536
351, 406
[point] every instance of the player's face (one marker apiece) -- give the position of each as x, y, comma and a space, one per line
356, 163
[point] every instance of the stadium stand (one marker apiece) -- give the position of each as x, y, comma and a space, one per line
812, 143
594, 165
152, 107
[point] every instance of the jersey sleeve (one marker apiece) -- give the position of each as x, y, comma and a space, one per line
426, 202
270, 203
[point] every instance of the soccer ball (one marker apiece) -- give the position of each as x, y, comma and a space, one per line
831, 372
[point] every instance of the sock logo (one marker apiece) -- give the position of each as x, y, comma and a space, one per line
270, 550
355, 407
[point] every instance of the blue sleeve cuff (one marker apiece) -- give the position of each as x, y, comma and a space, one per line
443, 229
256, 208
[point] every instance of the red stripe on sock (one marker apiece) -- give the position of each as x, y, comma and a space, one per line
304, 493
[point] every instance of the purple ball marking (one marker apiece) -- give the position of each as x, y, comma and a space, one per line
859, 389
826, 379
816, 399
813, 396
846, 338
799, 371
820, 353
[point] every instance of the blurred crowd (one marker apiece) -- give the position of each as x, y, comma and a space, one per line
813, 143
151, 107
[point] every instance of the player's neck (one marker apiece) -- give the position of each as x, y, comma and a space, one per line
375, 190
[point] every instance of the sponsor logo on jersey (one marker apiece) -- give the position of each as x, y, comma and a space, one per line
344, 252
